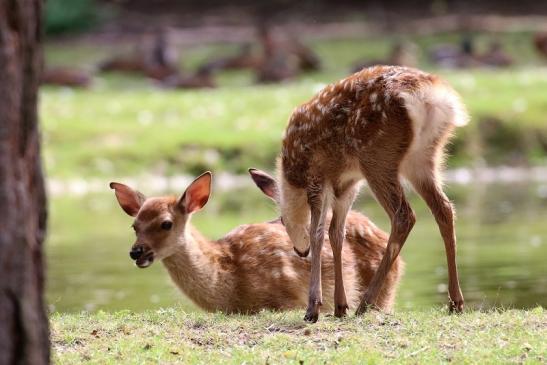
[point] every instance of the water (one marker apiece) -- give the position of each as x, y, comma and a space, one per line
502, 248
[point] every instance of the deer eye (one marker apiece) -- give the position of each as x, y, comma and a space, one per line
166, 225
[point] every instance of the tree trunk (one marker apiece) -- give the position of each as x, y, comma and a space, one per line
24, 335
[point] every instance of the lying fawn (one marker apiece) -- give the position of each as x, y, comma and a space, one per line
380, 124
254, 266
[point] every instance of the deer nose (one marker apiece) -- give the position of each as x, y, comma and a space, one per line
302, 254
136, 252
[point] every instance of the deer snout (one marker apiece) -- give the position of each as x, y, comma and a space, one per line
142, 254
136, 252
302, 254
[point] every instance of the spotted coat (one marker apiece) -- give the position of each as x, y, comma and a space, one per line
362, 115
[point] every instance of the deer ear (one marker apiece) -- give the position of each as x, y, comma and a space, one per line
266, 183
130, 200
197, 193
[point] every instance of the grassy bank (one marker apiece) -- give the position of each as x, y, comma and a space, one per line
127, 126
130, 131
172, 336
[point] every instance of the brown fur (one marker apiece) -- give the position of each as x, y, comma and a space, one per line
254, 266
540, 43
138, 66
378, 124
65, 77
154, 56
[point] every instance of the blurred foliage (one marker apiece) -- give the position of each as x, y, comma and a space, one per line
68, 16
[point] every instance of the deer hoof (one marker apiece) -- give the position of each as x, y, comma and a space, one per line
311, 317
312, 313
455, 306
340, 310
363, 308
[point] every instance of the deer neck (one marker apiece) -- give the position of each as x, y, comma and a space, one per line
194, 268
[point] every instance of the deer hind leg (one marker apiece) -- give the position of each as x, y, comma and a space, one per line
389, 193
427, 183
318, 203
337, 233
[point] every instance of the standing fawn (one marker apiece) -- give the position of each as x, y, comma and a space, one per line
380, 124
254, 266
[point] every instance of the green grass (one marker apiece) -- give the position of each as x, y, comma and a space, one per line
426, 337
130, 131
88, 132
126, 126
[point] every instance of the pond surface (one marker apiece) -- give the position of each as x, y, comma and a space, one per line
502, 249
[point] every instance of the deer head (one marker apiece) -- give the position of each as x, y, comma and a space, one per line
298, 232
161, 223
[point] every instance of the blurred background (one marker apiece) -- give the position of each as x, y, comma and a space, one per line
152, 93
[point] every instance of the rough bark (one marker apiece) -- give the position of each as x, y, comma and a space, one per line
24, 335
